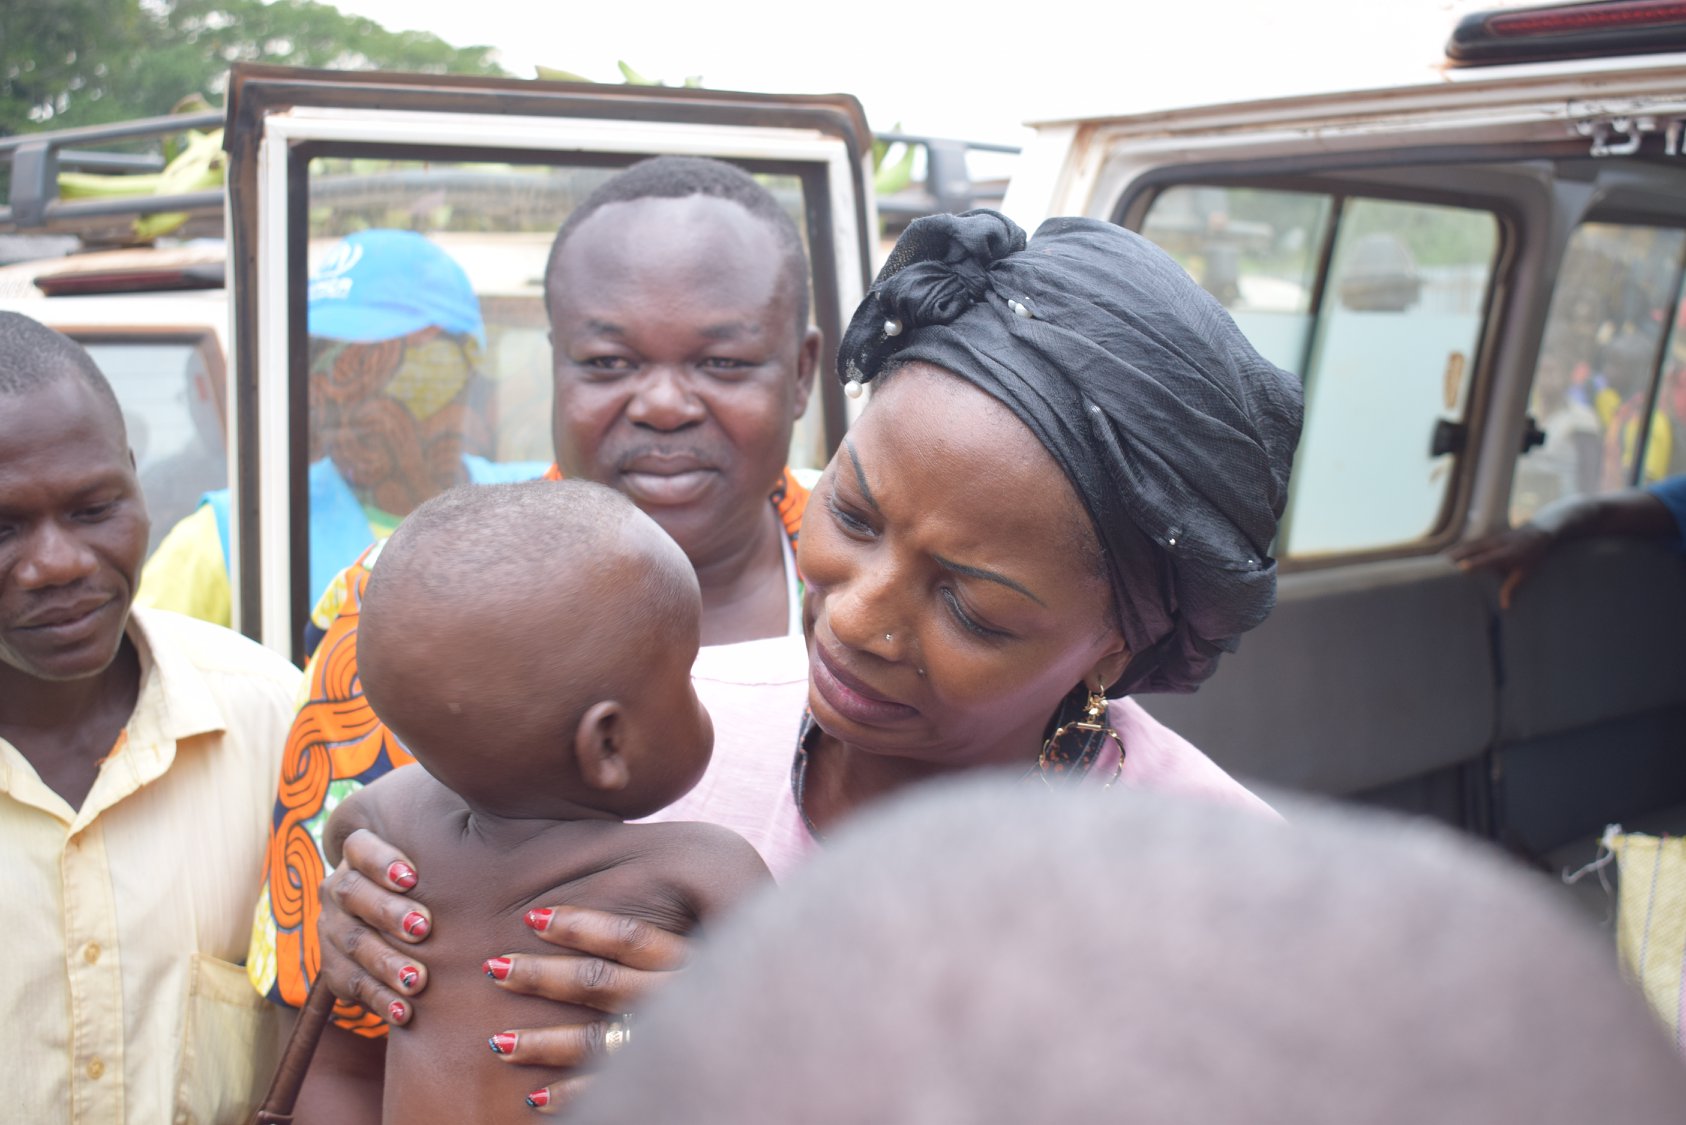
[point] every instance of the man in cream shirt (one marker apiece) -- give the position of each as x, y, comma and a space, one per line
138, 756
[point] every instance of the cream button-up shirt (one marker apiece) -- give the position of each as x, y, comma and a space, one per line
122, 923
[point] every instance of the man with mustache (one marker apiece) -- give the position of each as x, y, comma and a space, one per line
678, 302
137, 753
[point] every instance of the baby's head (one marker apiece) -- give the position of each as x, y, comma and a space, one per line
531, 644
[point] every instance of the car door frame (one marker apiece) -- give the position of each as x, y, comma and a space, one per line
279, 118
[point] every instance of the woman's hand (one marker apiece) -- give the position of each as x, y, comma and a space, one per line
606, 962
367, 925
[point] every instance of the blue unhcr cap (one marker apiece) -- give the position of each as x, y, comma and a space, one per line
380, 284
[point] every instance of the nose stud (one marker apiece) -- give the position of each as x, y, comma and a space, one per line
888, 637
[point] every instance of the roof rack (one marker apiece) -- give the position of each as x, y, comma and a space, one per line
948, 184
34, 206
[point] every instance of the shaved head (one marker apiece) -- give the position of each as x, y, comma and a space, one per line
989, 952
680, 177
497, 614
469, 540
33, 355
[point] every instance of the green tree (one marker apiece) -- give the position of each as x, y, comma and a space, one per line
55, 54
82, 62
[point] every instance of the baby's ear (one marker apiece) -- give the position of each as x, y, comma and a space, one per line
597, 747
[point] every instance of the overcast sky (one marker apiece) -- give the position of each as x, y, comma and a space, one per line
978, 69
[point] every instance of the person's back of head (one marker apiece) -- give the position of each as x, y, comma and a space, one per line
990, 953
531, 645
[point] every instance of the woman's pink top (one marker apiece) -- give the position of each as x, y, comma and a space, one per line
757, 693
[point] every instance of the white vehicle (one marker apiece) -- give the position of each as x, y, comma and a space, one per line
1480, 282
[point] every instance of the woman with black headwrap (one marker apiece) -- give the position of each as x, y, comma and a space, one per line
1063, 491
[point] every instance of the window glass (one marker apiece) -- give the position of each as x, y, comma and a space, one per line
1254, 250
402, 407
1598, 366
1670, 413
1400, 322
174, 419
1384, 357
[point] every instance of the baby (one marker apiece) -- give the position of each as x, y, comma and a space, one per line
531, 644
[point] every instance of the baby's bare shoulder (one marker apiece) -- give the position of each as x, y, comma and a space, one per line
670, 874
406, 808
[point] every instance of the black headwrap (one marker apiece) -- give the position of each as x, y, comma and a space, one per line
1175, 432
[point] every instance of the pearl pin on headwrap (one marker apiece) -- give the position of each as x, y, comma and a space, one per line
892, 327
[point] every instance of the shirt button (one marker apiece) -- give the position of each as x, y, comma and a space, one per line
95, 1069
91, 952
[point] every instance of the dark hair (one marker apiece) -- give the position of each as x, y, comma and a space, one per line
679, 177
33, 356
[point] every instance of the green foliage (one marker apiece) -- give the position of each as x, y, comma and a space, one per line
890, 176
84, 62
52, 54
196, 163
551, 74
629, 76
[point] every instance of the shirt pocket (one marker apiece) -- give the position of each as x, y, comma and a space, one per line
230, 1045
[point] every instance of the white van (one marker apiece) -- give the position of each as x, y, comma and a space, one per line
1480, 282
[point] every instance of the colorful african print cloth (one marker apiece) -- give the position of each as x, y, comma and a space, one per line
335, 747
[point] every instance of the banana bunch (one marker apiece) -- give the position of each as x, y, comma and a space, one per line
199, 165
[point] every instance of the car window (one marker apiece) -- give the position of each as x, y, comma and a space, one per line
1379, 306
1256, 251
173, 412
1610, 357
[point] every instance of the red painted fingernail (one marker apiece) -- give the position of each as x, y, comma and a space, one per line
538, 1099
503, 1043
540, 919
408, 975
397, 1010
415, 924
497, 967
401, 874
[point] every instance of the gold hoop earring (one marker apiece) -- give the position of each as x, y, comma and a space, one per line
1073, 748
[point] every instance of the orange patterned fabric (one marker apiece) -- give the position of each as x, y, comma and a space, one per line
335, 747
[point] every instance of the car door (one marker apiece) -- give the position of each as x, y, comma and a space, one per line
1449, 268
486, 169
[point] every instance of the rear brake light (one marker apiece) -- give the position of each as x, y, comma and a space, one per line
1610, 27
86, 283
